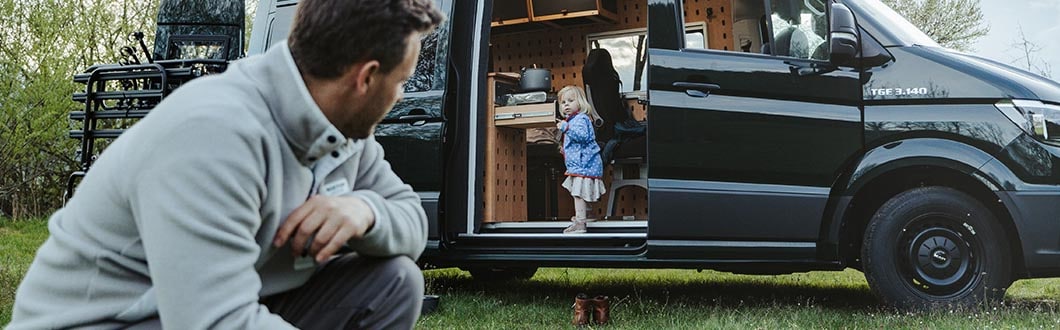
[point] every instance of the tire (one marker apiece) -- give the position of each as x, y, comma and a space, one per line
935, 247
495, 274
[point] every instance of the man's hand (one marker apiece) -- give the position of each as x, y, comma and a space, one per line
332, 219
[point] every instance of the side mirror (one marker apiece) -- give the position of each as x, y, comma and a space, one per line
843, 37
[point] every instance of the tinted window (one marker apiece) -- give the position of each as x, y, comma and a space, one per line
434, 52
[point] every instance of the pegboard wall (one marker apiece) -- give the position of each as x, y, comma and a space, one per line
504, 184
718, 16
639, 111
563, 50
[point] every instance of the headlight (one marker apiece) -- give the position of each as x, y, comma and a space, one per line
1036, 118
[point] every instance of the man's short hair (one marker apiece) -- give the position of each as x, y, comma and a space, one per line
329, 36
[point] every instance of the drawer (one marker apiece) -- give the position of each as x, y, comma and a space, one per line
526, 116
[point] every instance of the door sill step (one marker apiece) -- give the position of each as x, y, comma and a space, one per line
559, 236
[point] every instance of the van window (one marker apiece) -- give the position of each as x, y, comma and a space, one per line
800, 29
628, 51
430, 70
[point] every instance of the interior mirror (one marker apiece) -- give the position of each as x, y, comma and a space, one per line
843, 38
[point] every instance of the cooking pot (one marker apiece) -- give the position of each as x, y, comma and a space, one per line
535, 80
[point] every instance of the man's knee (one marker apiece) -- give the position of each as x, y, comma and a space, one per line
407, 273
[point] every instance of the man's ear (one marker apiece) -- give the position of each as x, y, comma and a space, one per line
360, 75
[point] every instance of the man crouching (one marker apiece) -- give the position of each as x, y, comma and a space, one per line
225, 206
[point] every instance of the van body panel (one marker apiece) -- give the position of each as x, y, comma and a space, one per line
1034, 214
1034, 162
414, 146
741, 266
916, 152
982, 126
775, 251
756, 156
725, 211
929, 73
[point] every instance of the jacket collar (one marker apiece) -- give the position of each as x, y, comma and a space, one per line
302, 123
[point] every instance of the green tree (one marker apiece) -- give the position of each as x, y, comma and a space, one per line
954, 24
46, 43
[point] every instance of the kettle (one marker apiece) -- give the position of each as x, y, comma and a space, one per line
535, 80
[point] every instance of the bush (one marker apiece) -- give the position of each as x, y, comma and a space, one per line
40, 55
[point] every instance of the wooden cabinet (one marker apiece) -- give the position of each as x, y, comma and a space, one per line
523, 15
509, 12
573, 12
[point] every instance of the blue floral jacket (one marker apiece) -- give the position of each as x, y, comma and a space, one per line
580, 151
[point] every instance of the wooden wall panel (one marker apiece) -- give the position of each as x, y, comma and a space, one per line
719, 23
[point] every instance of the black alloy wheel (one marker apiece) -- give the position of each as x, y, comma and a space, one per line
935, 247
935, 256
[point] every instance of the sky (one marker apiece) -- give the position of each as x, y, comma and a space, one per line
1040, 20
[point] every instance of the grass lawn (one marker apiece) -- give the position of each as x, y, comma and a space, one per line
651, 299
19, 241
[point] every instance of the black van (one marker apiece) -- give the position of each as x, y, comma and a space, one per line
781, 136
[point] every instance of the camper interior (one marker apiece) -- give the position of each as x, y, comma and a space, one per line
522, 191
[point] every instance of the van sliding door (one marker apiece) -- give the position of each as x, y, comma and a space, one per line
746, 143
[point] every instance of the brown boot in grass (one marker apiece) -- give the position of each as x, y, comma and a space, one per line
583, 308
601, 310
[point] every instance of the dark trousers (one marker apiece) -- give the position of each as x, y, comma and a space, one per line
353, 292
350, 292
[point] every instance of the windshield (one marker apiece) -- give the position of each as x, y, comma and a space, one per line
896, 25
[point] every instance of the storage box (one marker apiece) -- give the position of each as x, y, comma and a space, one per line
526, 116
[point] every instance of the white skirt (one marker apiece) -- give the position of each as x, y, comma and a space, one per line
588, 189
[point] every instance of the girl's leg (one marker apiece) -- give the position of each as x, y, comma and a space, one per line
578, 225
580, 208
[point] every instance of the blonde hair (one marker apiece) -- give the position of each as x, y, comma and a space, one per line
583, 102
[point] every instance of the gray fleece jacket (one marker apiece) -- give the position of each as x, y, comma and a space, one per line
176, 217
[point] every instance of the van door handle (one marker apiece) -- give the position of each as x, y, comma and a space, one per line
415, 120
414, 117
695, 89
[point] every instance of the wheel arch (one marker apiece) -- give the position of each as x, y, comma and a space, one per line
893, 168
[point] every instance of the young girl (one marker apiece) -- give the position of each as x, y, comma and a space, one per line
581, 155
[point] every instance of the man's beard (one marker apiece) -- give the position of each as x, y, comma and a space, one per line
363, 123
